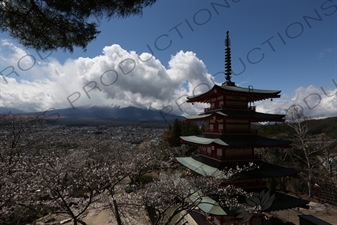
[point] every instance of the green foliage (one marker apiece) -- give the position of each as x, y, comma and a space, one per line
180, 128
176, 132
275, 130
312, 141
327, 126
52, 24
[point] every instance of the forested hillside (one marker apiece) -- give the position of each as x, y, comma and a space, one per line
313, 152
326, 126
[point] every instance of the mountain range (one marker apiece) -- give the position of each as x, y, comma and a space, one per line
101, 115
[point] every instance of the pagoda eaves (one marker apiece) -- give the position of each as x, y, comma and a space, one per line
207, 167
233, 141
236, 114
249, 93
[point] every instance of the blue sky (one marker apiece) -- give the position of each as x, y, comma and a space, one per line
283, 45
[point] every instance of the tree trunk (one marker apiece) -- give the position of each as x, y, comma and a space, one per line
309, 172
118, 218
309, 185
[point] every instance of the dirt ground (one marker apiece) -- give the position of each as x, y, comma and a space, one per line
324, 212
104, 217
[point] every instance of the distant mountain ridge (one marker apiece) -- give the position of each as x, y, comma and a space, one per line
4, 110
134, 115
79, 115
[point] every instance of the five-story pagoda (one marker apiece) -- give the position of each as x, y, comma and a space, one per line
229, 141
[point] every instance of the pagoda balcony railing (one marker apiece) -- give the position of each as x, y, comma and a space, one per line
249, 108
231, 131
252, 108
230, 158
207, 109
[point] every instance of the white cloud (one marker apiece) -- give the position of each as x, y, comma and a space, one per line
117, 77
316, 102
121, 78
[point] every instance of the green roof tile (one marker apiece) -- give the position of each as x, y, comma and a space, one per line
235, 140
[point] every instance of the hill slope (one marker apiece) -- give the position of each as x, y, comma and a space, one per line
327, 126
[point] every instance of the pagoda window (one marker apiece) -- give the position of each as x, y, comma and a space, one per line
219, 152
209, 150
236, 97
236, 121
220, 126
238, 153
211, 127
237, 126
237, 104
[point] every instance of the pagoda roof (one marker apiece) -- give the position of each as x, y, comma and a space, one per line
210, 167
206, 203
217, 90
269, 200
235, 140
284, 201
313, 220
239, 114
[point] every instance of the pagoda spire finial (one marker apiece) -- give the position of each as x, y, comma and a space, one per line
228, 67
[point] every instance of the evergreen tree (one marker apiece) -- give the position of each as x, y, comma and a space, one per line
180, 128
52, 24
174, 139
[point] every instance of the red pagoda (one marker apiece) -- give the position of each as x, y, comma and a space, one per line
229, 141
